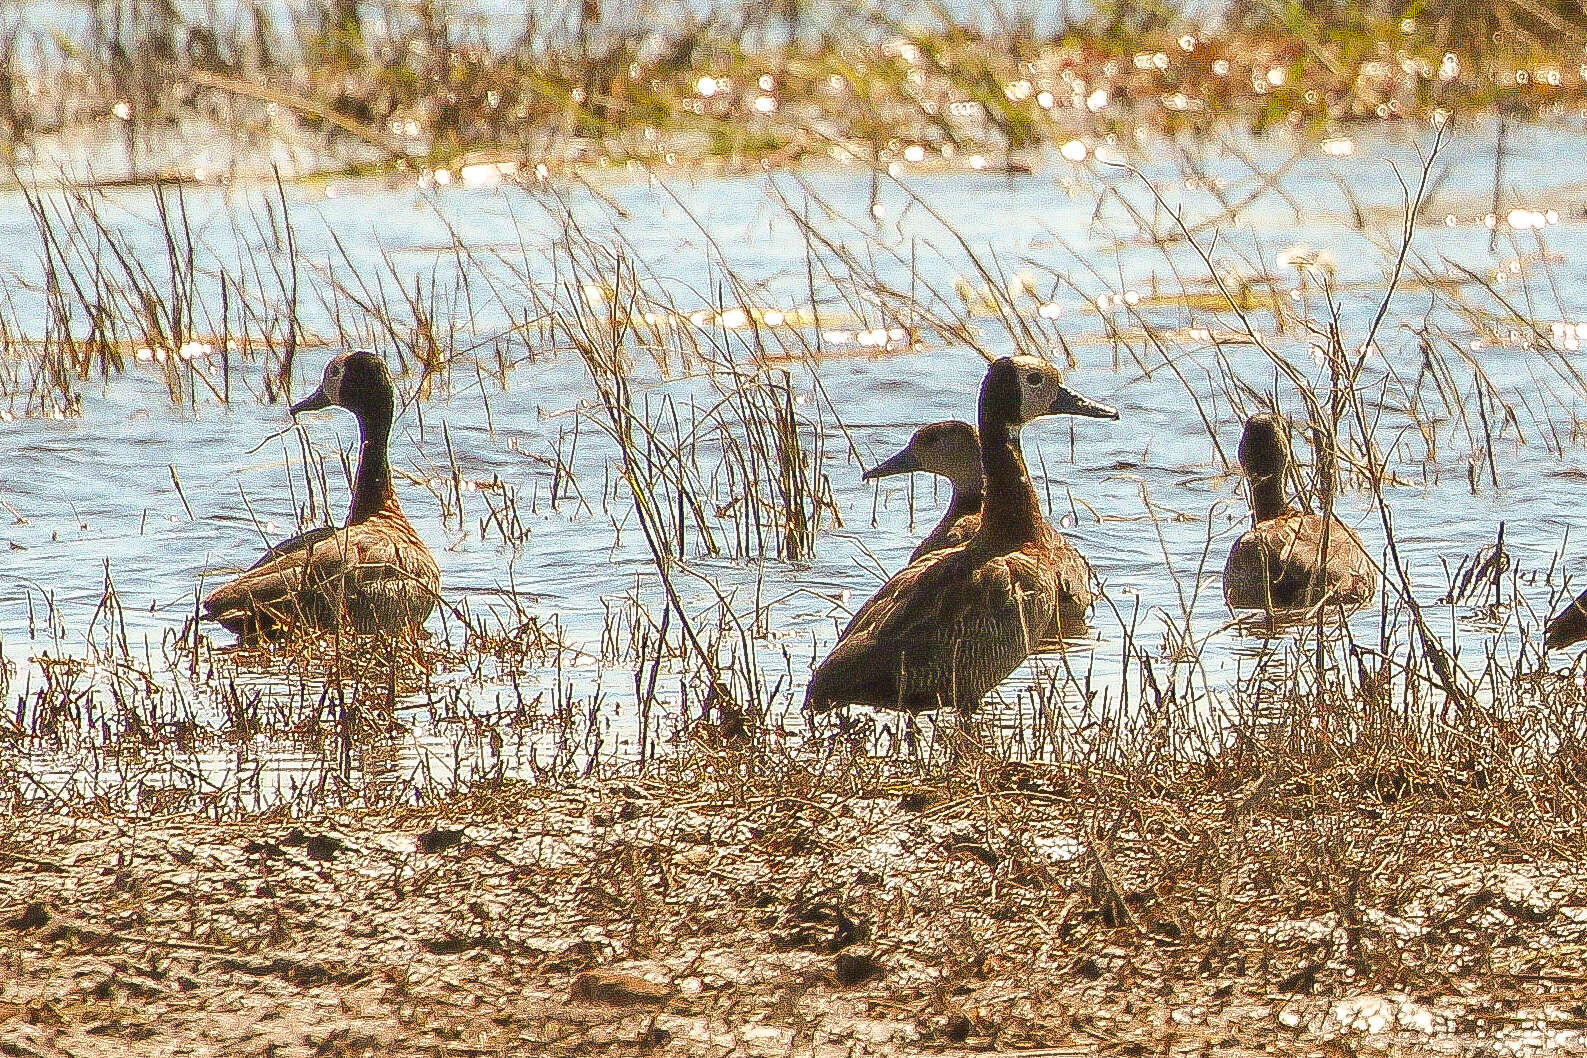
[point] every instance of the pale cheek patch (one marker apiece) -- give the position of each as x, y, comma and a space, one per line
1033, 397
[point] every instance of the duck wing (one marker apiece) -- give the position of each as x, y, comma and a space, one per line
942, 631
1568, 626
285, 588
395, 581
376, 576
1279, 564
296, 543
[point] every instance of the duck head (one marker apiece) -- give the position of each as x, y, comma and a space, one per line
1264, 446
357, 381
1030, 387
949, 449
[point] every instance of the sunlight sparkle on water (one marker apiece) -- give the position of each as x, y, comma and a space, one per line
870, 388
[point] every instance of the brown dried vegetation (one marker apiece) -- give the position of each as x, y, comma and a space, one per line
758, 901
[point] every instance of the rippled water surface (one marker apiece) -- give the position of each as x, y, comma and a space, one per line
162, 499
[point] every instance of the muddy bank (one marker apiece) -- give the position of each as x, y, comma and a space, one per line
732, 911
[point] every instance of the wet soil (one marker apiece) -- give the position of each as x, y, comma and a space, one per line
734, 911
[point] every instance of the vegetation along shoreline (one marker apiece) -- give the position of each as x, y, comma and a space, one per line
465, 589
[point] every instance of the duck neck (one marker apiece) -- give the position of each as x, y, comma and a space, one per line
1267, 497
372, 491
967, 500
1009, 506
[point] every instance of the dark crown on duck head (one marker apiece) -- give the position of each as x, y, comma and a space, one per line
1011, 380
1264, 446
355, 381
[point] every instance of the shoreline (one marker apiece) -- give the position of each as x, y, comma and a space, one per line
754, 905
73, 168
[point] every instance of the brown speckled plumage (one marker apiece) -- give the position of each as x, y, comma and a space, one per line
951, 450
1290, 559
1075, 594
371, 575
947, 628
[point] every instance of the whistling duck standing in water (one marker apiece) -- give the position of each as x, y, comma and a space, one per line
951, 450
372, 575
946, 629
1280, 562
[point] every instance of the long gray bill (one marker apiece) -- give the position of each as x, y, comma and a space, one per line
905, 462
1068, 402
313, 402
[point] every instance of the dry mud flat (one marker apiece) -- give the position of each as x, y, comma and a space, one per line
734, 912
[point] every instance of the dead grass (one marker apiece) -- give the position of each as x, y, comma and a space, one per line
765, 902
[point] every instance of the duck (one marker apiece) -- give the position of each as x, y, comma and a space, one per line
373, 574
949, 627
1568, 627
951, 449
1280, 563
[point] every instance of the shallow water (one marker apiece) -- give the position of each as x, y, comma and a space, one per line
1147, 499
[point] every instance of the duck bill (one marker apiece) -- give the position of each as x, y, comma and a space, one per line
313, 402
905, 462
1068, 402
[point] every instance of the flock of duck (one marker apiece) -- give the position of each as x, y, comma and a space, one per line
989, 585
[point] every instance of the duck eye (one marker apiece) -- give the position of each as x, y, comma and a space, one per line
1034, 378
